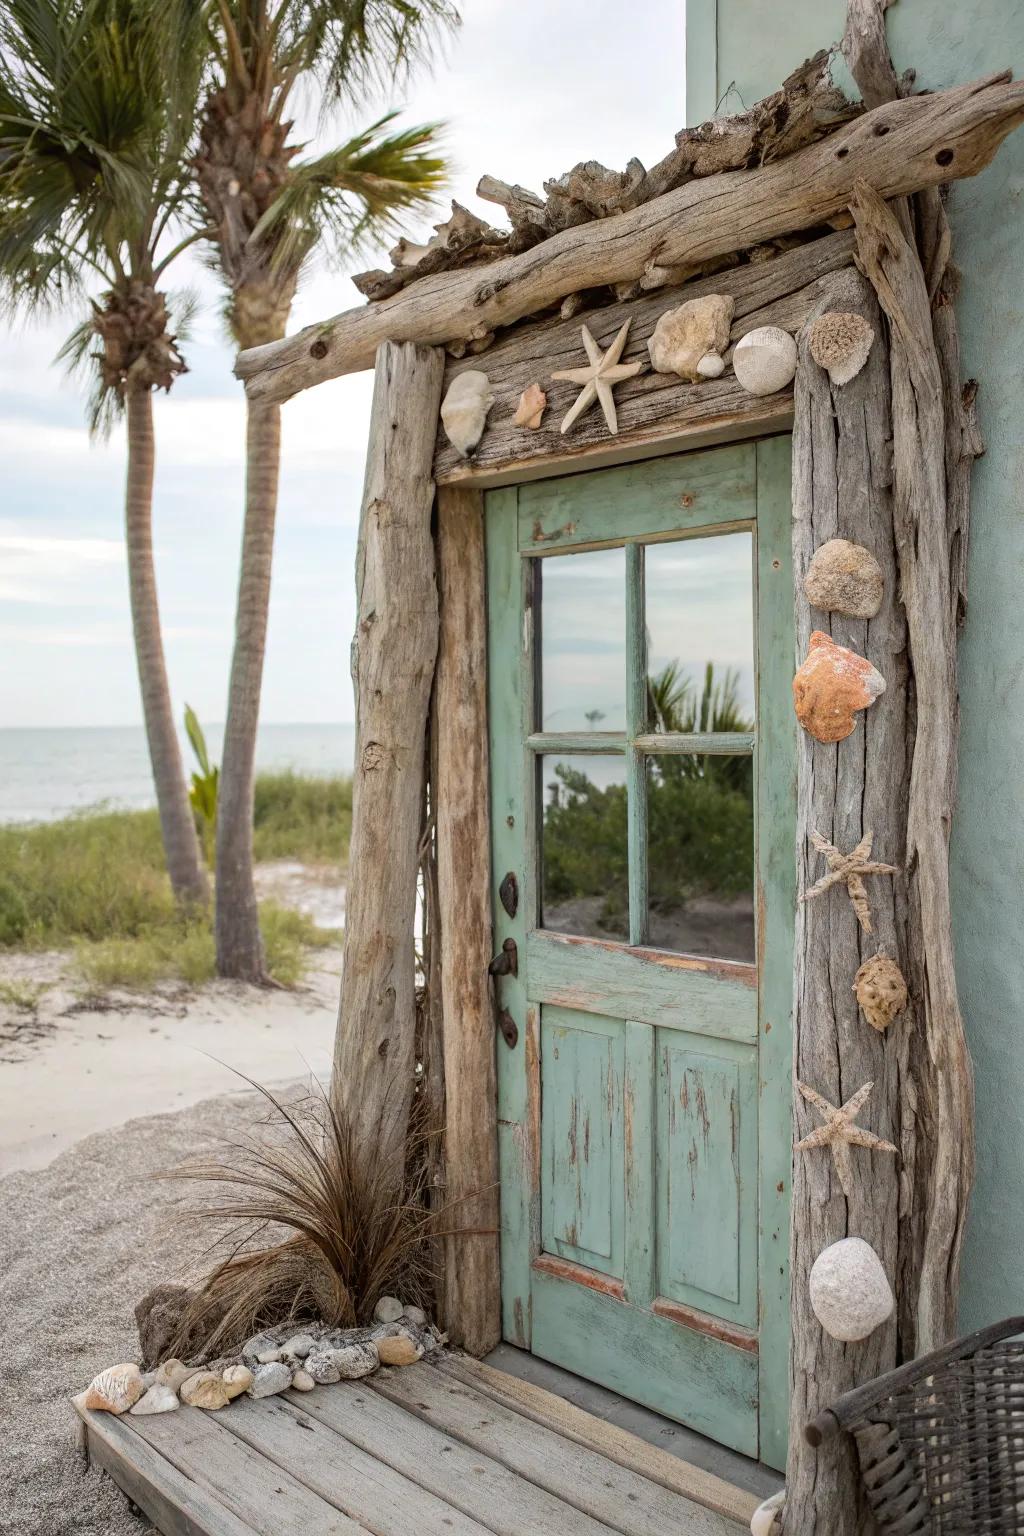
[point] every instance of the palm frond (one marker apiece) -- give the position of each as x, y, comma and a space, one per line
78, 356
357, 48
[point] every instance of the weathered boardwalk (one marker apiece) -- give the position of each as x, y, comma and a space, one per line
447, 1449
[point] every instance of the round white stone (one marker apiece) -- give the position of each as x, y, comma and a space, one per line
764, 360
850, 1292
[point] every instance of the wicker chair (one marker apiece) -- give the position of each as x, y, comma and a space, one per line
940, 1441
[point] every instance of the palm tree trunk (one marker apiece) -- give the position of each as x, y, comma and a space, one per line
239, 946
181, 844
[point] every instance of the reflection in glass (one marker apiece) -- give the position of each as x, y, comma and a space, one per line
583, 641
584, 855
700, 855
700, 634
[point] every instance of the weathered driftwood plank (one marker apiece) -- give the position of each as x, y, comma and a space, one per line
587, 1481
574, 1423
899, 147
926, 526
472, 1282
393, 656
842, 488
652, 406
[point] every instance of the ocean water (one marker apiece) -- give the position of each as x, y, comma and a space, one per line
49, 773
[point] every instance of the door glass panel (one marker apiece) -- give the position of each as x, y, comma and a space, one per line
700, 855
583, 641
584, 856
700, 634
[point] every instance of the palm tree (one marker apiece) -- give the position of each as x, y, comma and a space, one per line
94, 135
270, 210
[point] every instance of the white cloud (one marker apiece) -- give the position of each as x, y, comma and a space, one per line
34, 568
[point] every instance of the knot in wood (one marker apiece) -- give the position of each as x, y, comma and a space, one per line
319, 349
372, 757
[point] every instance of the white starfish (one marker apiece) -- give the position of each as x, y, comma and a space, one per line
605, 370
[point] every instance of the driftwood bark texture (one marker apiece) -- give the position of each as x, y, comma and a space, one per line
842, 488
393, 655
899, 148
472, 1284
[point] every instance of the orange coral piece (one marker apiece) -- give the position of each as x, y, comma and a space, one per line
831, 685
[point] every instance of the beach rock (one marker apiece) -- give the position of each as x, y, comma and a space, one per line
764, 360
399, 1349
845, 578
205, 1390
269, 1356
356, 1360
302, 1381
159, 1399
171, 1373
267, 1380
464, 410
881, 990
322, 1367
298, 1346
686, 338
388, 1310
415, 1315
830, 686
850, 1292
237, 1379
259, 1344
114, 1390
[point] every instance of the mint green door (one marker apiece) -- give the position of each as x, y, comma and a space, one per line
643, 797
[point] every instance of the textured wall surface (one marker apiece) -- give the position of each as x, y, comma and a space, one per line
741, 49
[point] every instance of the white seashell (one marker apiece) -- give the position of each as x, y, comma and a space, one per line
764, 360
532, 405
764, 1521
711, 366
159, 1399
464, 410
686, 336
840, 342
115, 1389
850, 1292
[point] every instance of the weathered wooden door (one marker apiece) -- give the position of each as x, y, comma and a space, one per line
643, 770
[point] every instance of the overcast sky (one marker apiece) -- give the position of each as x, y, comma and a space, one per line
528, 88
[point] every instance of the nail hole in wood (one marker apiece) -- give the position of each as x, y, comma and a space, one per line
318, 349
841, 154
944, 157
881, 129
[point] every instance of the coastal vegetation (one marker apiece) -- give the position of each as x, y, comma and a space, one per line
96, 883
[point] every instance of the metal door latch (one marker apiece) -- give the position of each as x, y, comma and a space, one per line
509, 1028
507, 962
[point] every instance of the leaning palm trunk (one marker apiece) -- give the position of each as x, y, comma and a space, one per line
239, 947
181, 844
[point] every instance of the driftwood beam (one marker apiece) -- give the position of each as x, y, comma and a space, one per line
898, 148
393, 657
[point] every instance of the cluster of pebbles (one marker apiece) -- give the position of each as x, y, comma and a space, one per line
270, 1363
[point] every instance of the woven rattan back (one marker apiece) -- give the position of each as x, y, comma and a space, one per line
944, 1455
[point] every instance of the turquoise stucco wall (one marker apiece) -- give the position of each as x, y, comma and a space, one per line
757, 43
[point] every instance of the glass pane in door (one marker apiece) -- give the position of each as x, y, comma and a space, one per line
584, 852
583, 641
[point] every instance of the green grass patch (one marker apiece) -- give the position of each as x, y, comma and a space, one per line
96, 882
21, 995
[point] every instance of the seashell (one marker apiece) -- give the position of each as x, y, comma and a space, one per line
850, 1292
237, 1379
711, 366
831, 685
205, 1390
399, 1349
686, 337
840, 342
764, 360
388, 1310
845, 578
172, 1373
302, 1381
115, 1389
532, 405
159, 1399
765, 1519
881, 990
268, 1380
464, 410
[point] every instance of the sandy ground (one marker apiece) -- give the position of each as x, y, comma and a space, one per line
80, 1242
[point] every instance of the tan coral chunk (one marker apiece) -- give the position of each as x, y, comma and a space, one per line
685, 337
830, 686
840, 342
205, 1390
881, 990
533, 403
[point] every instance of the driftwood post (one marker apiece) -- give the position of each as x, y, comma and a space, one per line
393, 656
472, 1287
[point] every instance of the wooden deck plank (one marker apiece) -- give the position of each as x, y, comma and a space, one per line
609, 1440
265, 1498
469, 1480
627, 1503
362, 1486
174, 1501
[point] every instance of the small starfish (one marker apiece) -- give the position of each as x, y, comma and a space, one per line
605, 370
839, 1132
849, 869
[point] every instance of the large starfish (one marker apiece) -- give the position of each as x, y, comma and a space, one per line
597, 380
839, 1132
849, 869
